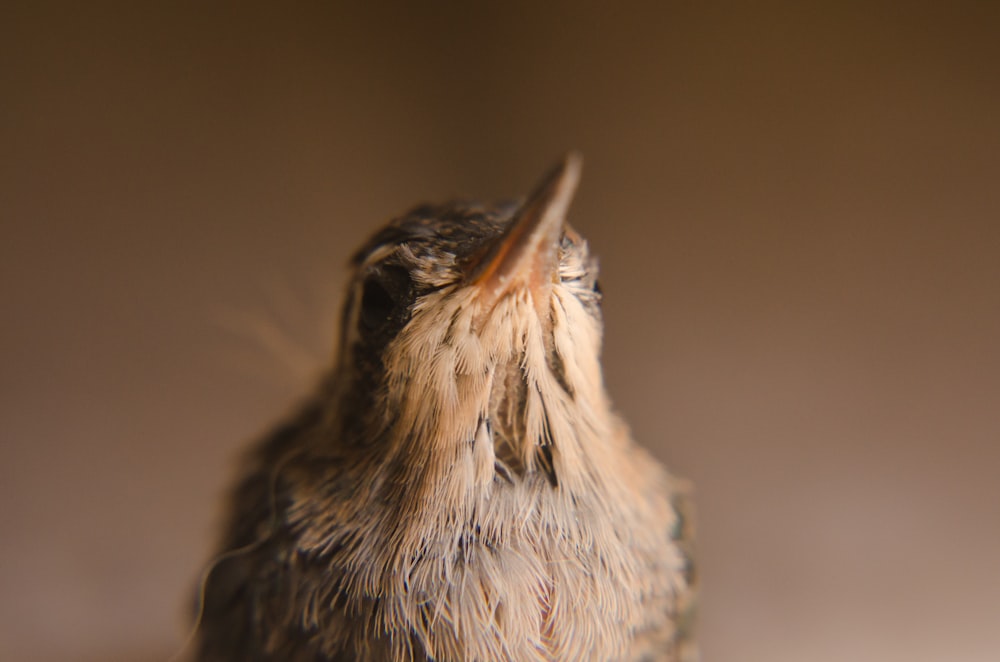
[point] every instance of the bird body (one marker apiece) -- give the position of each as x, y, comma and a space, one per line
459, 487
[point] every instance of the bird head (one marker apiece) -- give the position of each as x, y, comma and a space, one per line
469, 323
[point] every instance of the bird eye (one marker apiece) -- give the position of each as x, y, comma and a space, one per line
384, 294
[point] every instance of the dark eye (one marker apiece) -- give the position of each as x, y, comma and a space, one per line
384, 297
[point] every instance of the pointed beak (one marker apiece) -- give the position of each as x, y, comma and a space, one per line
527, 253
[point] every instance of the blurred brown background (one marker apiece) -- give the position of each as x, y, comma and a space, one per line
798, 213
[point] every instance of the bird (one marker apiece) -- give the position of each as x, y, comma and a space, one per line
458, 486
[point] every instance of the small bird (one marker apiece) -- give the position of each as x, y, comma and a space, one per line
458, 487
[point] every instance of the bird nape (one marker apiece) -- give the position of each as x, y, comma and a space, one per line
458, 487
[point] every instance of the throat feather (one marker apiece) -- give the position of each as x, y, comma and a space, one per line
520, 447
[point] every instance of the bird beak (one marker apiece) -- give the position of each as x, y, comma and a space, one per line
527, 253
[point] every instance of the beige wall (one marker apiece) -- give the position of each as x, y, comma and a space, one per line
798, 213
